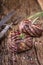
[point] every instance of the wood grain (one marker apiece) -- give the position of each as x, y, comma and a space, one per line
27, 8
41, 3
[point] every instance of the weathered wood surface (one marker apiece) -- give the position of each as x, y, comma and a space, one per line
41, 3
26, 8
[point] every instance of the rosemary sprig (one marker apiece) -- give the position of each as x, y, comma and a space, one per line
22, 36
35, 20
36, 15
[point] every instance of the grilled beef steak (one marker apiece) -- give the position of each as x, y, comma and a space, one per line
19, 42
27, 27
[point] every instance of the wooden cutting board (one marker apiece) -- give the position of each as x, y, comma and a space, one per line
27, 8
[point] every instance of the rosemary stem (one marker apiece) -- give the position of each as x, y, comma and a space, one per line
36, 15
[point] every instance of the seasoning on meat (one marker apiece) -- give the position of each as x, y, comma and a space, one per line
34, 30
